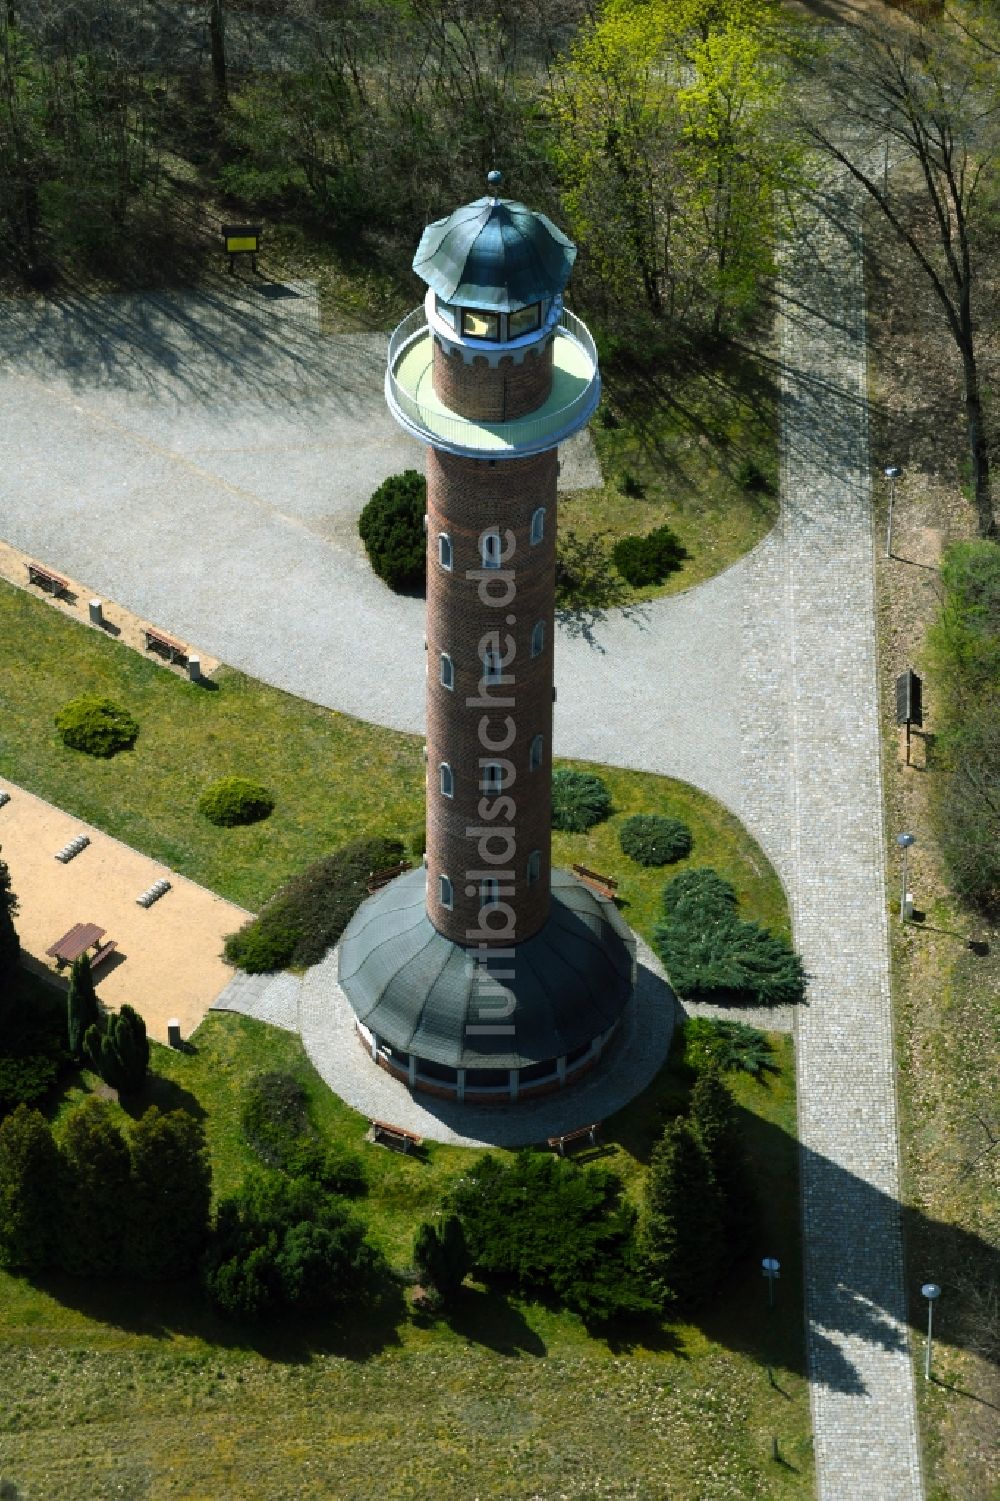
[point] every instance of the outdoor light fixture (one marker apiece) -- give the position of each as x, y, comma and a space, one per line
931, 1291
892, 473
904, 841
772, 1271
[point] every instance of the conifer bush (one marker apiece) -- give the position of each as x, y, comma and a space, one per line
169, 1195
648, 559
235, 800
579, 800
120, 1052
29, 1191
307, 915
654, 839
711, 954
392, 528
441, 1256
681, 1228
709, 1042
551, 1226
97, 726
82, 1011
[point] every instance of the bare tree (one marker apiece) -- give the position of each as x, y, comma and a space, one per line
924, 85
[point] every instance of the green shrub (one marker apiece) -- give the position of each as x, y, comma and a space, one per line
392, 528
279, 1244
584, 580
751, 478
235, 800
653, 839
120, 1052
275, 1121
307, 915
170, 1193
441, 1256
26, 1079
551, 1226
29, 1191
96, 726
579, 800
708, 1042
631, 485
711, 954
648, 559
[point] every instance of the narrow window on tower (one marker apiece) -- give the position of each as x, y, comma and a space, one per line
444, 550
492, 667
536, 754
534, 866
447, 780
447, 671
537, 525
492, 778
538, 639
489, 892
445, 892
491, 549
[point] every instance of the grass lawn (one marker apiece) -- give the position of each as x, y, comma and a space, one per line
334, 778
683, 441
119, 1390
141, 1392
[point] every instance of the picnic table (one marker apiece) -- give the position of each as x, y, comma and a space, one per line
81, 937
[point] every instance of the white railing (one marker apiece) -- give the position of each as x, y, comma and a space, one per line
520, 434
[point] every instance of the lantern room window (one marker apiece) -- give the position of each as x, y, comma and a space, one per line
480, 325
524, 321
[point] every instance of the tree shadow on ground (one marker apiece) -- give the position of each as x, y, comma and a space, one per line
167, 1310
484, 1316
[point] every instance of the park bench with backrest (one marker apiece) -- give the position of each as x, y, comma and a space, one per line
572, 1138
174, 651
603, 885
47, 580
395, 1136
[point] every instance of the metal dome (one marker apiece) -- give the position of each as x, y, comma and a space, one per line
422, 992
496, 254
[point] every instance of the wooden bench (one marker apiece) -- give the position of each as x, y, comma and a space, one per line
103, 954
395, 1136
603, 885
47, 580
570, 1138
379, 878
175, 651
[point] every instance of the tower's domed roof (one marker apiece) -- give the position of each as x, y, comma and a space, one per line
425, 994
494, 253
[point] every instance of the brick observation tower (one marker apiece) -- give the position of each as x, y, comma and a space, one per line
488, 975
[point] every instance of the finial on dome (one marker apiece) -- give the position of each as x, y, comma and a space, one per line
493, 181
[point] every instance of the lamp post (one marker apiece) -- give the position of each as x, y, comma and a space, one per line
904, 841
930, 1291
892, 473
772, 1271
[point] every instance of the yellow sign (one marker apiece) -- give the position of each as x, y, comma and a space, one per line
240, 242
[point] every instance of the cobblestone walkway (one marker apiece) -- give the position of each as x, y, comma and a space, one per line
824, 827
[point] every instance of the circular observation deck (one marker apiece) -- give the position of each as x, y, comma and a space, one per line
410, 394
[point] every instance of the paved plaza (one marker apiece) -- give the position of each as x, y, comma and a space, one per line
202, 461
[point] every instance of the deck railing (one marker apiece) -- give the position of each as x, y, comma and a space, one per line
519, 434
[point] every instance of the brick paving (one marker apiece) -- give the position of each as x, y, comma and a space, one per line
823, 824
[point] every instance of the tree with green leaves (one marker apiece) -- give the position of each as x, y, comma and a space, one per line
95, 1176
713, 1119
82, 1011
10, 944
682, 1224
170, 1191
123, 1054
29, 1191
441, 1256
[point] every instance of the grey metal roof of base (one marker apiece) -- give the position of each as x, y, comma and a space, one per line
494, 253
425, 994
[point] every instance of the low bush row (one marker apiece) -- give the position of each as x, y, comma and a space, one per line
307, 915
